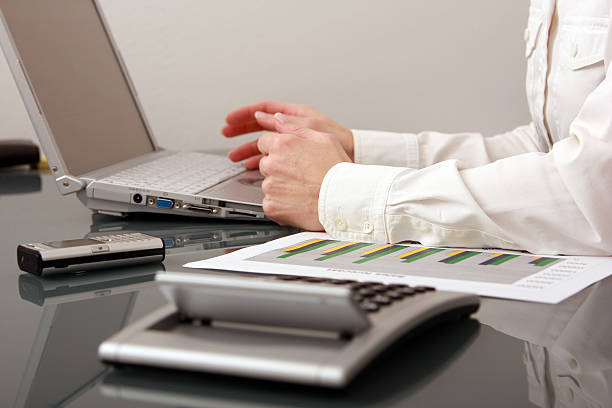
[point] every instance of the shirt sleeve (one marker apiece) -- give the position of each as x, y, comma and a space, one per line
555, 202
426, 148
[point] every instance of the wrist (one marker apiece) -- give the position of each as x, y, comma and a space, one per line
349, 144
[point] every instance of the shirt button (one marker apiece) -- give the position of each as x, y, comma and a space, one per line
573, 364
526, 35
340, 224
368, 227
574, 49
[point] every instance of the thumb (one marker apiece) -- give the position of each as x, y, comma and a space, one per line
291, 125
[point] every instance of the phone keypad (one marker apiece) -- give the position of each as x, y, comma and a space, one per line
132, 237
371, 296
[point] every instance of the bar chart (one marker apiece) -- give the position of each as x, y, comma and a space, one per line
465, 264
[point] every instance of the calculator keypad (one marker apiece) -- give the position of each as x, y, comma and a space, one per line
371, 296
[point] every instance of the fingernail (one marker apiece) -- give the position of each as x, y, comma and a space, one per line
260, 115
280, 117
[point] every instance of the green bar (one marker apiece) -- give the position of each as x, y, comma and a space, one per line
461, 258
501, 260
547, 261
416, 258
387, 252
308, 249
346, 251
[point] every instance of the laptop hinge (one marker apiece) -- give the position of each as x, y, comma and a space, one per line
69, 184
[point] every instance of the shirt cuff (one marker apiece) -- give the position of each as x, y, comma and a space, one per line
353, 200
384, 148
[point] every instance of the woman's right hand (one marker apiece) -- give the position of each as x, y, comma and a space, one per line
260, 116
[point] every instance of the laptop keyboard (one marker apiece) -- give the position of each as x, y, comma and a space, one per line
182, 173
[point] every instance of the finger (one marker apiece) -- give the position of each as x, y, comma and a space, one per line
253, 163
294, 126
244, 152
247, 113
265, 142
235, 130
263, 121
263, 162
270, 122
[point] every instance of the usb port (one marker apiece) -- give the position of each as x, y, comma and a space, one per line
164, 203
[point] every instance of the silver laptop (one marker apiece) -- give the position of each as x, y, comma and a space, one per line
91, 125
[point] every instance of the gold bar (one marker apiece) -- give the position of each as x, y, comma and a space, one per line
411, 252
339, 247
293, 248
376, 249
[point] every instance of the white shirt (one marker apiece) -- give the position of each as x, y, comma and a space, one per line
545, 187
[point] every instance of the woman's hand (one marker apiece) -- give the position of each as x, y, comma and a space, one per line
260, 116
294, 163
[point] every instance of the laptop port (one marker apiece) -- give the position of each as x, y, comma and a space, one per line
200, 208
164, 203
242, 213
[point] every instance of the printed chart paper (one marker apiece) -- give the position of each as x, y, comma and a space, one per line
504, 274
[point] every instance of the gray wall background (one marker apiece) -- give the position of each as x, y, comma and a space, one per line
395, 65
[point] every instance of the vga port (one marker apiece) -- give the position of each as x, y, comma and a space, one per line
164, 203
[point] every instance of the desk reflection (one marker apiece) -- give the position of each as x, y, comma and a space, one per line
568, 351
183, 235
79, 312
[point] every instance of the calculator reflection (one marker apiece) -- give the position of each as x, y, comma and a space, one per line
389, 380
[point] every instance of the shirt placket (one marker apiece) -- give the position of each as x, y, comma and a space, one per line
541, 73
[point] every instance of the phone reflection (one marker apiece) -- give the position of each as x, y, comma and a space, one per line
568, 354
79, 312
389, 380
183, 235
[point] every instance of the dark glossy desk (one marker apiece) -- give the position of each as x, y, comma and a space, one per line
517, 355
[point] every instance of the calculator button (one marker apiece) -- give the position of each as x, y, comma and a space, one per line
380, 288
369, 306
289, 278
381, 300
359, 285
366, 292
316, 280
394, 294
407, 291
341, 281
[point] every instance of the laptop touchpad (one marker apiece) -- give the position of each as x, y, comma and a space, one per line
243, 188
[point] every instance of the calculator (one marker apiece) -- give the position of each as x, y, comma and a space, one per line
306, 330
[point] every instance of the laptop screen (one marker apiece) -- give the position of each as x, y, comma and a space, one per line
77, 77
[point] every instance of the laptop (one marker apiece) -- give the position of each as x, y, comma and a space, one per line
91, 125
